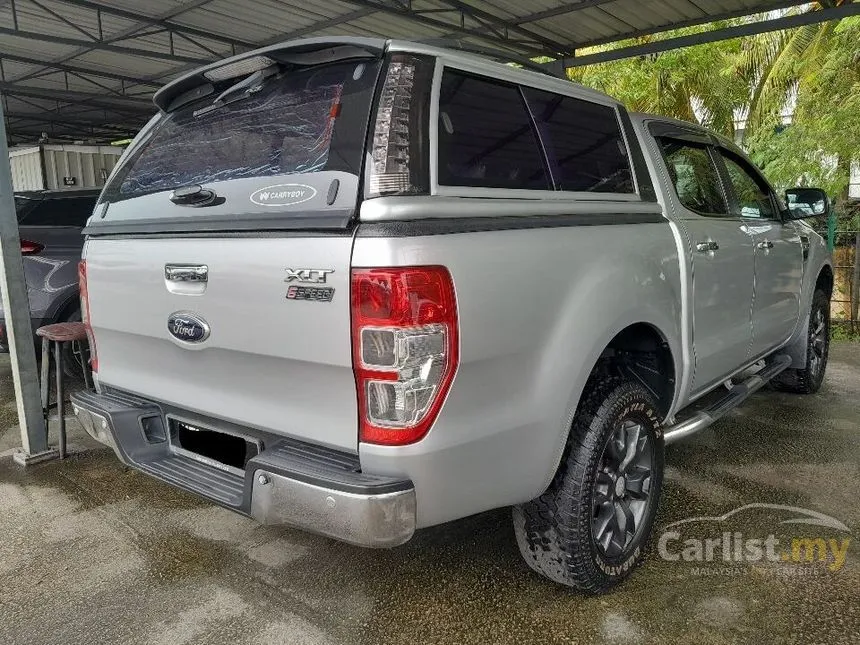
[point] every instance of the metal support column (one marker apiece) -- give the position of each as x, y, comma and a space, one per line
16, 311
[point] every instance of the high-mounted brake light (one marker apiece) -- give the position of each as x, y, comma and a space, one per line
405, 349
31, 248
239, 68
85, 313
399, 155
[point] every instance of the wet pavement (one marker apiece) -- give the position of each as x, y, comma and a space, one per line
91, 552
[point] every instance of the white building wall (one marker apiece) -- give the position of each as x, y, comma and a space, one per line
65, 166
26, 164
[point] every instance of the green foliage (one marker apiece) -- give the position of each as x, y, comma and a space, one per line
756, 76
842, 333
670, 83
824, 135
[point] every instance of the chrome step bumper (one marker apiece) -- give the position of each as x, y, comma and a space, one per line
290, 482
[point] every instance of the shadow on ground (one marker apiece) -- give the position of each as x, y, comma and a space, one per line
91, 552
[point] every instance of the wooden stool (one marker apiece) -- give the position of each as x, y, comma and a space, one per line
59, 333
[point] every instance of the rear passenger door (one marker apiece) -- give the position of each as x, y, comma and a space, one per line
722, 261
778, 255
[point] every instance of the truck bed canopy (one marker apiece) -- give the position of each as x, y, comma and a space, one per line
87, 69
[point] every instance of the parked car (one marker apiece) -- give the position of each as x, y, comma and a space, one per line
364, 287
50, 224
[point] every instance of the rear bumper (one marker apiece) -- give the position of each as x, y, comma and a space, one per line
288, 483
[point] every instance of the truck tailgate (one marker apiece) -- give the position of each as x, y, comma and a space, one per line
271, 362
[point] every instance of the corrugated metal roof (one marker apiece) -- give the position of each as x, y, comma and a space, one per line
86, 68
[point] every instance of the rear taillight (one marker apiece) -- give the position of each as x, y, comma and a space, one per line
31, 248
399, 155
85, 313
405, 349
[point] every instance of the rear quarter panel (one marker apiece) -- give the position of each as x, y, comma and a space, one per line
536, 309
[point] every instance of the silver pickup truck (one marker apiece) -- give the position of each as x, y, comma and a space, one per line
362, 287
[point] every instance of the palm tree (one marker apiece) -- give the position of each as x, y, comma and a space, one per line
694, 84
716, 83
777, 64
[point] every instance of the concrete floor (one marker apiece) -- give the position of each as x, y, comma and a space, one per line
91, 552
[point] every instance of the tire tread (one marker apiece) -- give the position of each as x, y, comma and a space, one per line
551, 541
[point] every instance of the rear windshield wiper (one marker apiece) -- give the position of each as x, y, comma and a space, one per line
248, 85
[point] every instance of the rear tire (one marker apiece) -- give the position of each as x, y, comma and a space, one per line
589, 529
808, 379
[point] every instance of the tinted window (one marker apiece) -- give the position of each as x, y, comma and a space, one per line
583, 142
61, 211
301, 121
695, 177
752, 194
486, 137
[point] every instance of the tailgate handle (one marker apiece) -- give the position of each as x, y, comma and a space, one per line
186, 272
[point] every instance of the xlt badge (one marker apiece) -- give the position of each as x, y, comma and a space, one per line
311, 276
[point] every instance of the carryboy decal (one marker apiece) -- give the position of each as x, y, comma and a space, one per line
283, 195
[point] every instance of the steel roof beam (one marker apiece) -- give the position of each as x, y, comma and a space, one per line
134, 30
57, 130
76, 112
76, 69
136, 107
60, 120
404, 12
692, 22
328, 23
89, 44
64, 20
569, 7
491, 21
27, 134
739, 31
167, 23
573, 7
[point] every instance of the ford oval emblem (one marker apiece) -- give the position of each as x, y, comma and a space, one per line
283, 195
187, 327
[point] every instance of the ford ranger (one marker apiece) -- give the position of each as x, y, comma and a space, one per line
363, 287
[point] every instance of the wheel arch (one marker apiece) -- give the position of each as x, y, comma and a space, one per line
625, 337
641, 352
824, 281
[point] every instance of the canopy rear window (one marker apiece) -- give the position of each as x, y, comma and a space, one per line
301, 120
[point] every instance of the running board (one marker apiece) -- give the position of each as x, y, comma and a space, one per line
733, 398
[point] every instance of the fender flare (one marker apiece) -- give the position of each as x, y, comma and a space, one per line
605, 339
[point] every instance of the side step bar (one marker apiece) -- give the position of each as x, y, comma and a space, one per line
733, 398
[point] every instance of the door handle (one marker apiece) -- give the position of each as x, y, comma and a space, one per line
186, 272
707, 247
764, 246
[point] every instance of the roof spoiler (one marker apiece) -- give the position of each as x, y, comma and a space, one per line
309, 51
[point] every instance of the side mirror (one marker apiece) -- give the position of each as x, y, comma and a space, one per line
807, 202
